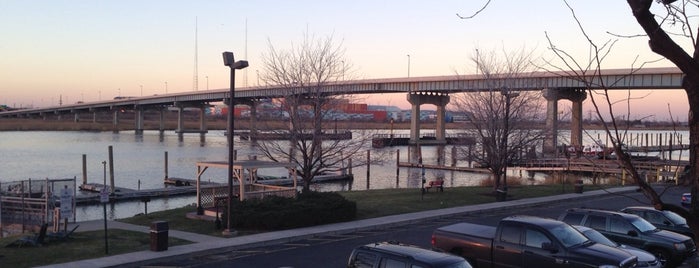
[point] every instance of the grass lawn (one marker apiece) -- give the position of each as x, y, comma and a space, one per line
370, 204
80, 245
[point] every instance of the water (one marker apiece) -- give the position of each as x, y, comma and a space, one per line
139, 163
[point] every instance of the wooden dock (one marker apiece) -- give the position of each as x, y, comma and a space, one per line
91, 192
383, 140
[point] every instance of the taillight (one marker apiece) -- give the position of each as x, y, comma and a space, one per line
433, 240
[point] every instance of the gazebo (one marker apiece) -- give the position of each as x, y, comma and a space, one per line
245, 184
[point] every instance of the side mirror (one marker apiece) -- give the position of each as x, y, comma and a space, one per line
549, 246
632, 233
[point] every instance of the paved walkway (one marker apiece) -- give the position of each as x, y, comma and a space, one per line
213, 244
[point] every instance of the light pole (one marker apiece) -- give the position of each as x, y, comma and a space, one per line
508, 96
165, 87
207, 82
408, 65
141, 90
229, 60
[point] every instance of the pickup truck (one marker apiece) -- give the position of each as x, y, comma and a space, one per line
527, 241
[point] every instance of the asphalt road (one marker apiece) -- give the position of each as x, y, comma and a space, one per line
333, 250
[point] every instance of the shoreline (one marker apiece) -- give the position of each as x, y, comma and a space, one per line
17, 124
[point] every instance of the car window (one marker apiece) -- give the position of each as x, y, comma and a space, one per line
510, 234
596, 222
391, 263
573, 218
364, 259
654, 218
620, 226
568, 236
643, 225
535, 238
674, 217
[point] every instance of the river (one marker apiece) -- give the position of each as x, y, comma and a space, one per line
139, 163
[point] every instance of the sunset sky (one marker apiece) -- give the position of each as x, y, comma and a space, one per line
92, 50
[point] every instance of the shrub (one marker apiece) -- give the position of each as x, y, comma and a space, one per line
307, 209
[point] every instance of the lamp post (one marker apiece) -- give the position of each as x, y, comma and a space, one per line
141, 90
508, 96
229, 60
408, 65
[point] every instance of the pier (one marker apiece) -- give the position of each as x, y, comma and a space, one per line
383, 140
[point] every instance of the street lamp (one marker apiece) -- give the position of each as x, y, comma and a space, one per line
408, 65
229, 60
508, 96
141, 90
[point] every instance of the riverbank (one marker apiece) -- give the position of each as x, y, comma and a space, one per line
25, 124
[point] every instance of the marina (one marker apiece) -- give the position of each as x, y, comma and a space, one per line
139, 173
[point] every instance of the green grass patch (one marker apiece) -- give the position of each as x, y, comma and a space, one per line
81, 245
385, 202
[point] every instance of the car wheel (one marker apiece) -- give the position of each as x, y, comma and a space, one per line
662, 256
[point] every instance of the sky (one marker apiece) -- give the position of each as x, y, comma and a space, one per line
69, 51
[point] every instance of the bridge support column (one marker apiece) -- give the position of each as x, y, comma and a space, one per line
138, 120
115, 121
576, 96
437, 99
180, 122
415, 123
202, 121
161, 128
94, 117
76, 117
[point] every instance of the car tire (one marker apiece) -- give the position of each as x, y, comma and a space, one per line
662, 255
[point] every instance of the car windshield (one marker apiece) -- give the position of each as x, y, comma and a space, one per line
600, 238
459, 264
568, 236
674, 217
643, 225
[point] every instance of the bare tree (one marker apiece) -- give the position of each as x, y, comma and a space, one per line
500, 116
590, 74
303, 71
677, 18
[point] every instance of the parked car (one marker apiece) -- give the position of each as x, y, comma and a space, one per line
527, 241
663, 219
392, 254
670, 248
686, 199
645, 258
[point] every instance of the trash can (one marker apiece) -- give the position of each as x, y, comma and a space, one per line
500, 195
578, 186
158, 235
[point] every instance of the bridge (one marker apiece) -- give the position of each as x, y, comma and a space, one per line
420, 90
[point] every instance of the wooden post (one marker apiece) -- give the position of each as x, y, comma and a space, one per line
368, 167
165, 166
397, 166
84, 169
111, 170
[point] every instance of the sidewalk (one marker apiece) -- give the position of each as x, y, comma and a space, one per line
216, 244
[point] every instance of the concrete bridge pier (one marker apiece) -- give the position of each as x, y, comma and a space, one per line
115, 121
438, 99
553, 95
138, 120
180, 121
